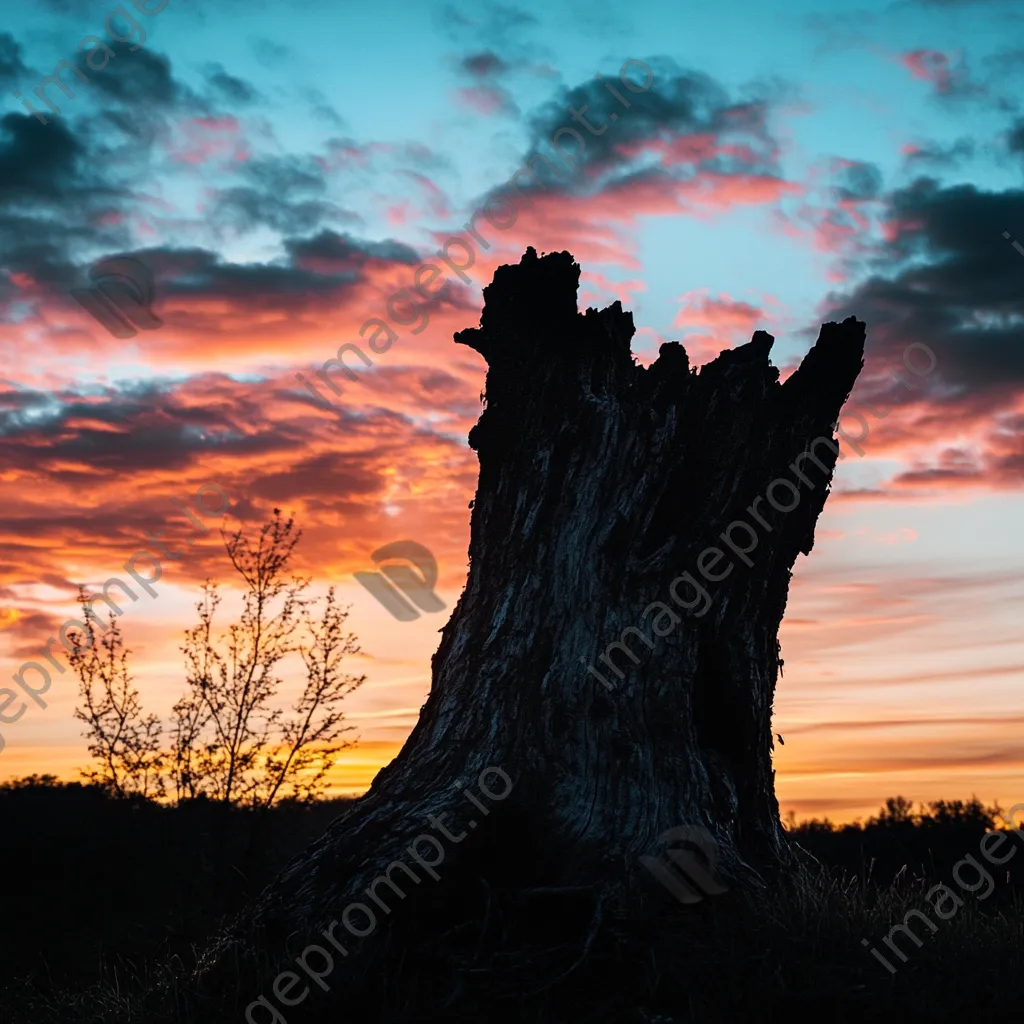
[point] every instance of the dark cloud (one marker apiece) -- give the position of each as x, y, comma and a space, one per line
136, 94
677, 104
1005, 62
490, 23
281, 286
486, 95
228, 87
285, 193
948, 279
247, 208
321, 109
345, 254
13, 70
37, 161
308, 476
286, 173
323, 267
955, 85
484, 65
128, 429
138, 85
71, 189
123, 136
52, 204
142, 79
857, 181
270, 53
1015, 137
951, 77
935, 155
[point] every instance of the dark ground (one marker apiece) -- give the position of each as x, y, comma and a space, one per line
107, 902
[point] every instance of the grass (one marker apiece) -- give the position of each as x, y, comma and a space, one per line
478, 949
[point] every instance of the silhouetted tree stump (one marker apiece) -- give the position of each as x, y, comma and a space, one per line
601, 483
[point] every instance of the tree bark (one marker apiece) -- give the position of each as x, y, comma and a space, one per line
601, 485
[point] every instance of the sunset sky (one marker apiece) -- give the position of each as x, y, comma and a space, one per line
284, 168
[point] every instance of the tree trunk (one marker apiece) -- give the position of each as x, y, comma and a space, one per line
601, 486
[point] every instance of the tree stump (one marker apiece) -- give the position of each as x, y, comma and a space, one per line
605, 489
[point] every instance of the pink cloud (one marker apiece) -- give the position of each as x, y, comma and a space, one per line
929, 65
207, 139
489, 100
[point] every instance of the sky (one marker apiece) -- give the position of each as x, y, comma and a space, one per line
285, 169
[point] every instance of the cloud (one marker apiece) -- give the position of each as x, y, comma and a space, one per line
54, 202
935, 155
13, 70
956, 86
285, 193
1005, 63
684, 120
486, 95
715, 323
946, 277
594, 165
334, 253
485, 64
485, 24
347, 154
489, 100
1015, 137
943, 277
271, 53
949, 74
90, 472
835, 212
857, 181
143, 80
228, 87
36, 164
80, 185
